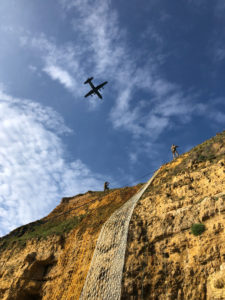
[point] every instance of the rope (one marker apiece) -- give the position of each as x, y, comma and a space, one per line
66, 212
134, 180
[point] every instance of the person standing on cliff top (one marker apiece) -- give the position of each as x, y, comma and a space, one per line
106, 186
174, 151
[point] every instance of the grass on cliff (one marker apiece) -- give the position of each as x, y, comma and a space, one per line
93, 219
40, 230
197, 228
55, 227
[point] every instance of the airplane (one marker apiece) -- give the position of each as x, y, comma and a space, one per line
95, 89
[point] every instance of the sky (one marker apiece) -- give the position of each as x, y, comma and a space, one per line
164, 62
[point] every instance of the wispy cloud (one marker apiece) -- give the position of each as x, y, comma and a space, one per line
100, 48
99, 26
65, 64
56, 73
219, 53
215, 48
219, 8
146, 104
60, 63
32, 68
34, 174
133, 157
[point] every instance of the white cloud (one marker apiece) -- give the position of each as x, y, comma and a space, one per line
98, 24
60, 63
167, 105
33, 172
65, 64
57, 73
101, 49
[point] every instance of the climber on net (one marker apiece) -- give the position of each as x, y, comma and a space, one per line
174, 151
106, 186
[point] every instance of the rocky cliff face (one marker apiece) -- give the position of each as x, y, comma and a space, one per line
164, 260
50, 258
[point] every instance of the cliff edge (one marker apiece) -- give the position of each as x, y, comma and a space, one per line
175, 245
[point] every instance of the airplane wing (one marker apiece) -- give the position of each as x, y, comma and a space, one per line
89, 93
101, 85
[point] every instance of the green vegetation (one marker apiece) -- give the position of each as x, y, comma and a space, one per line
40, 230
57, 228
94, 218
197, 228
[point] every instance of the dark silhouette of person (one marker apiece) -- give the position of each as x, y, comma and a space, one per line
174, 150
106, 186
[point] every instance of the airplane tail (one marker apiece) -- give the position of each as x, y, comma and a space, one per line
88, 80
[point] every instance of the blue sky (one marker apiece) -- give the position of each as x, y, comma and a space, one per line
164, 63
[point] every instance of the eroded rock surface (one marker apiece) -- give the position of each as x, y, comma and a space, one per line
164, 260
49, 259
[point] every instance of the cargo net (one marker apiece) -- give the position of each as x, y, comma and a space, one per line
104, 277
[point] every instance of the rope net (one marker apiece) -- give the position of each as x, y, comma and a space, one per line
104, 278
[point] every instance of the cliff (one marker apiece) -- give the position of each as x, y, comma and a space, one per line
174, 247
164, 259
49, 259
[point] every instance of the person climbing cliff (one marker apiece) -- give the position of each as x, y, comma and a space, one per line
174, 150
106, 186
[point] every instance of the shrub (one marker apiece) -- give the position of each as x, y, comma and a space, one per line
197, 229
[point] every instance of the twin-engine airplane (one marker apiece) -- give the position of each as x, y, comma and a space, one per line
95, 89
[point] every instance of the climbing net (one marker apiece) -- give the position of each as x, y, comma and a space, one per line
104, 277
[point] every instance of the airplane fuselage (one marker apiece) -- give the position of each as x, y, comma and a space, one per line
94, 89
